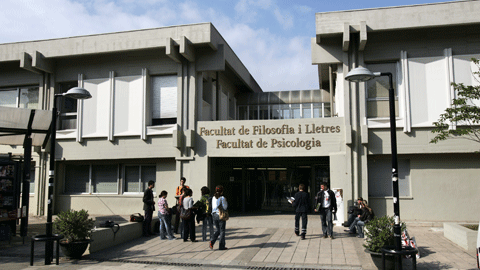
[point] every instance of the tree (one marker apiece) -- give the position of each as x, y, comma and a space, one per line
464, 113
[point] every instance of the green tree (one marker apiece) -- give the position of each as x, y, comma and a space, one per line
464, 113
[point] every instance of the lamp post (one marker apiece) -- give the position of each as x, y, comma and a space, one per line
361, 74
75, 93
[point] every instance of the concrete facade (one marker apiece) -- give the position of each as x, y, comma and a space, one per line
125, 131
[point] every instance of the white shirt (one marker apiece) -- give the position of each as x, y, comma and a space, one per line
220, 201
326, 199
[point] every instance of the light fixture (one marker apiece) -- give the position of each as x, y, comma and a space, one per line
361, 74
77, 93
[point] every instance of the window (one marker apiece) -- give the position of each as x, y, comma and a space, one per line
380, 177
377, 91
242, 112
253, 112
68, 108
19, 97
306, 110
91, 179
164, 101
104, 179
295, 111
264, 112
137, 177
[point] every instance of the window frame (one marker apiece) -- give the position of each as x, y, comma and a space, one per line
124, 167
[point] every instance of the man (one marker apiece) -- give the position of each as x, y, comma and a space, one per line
326, 206
353, 212
178, 192
302, 207
149, 207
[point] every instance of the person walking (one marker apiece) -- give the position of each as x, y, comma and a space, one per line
218, 201
148, 207
165, 217
326, 206
301, 203
189, 224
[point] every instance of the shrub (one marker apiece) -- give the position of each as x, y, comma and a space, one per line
74, 225
379, 233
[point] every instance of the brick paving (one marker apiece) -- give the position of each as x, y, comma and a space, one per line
255, 242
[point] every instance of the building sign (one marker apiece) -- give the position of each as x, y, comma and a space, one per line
270, 136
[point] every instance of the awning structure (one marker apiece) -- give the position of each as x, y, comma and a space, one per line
16, 124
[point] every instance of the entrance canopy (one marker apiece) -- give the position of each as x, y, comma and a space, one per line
16, 124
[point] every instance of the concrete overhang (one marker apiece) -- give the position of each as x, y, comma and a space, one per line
330, 24
179, 42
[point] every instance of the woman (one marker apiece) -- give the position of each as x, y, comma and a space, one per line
177, 214
165, 217
188, 224
366, 216
218, 201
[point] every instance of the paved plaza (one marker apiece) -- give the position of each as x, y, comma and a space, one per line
254, 242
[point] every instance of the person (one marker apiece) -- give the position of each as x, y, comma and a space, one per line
302, 207
218, 201
188, 224
178, 192
148, 207
353, 212
177, 214
326, 206
165, 217
360, 221
205, 202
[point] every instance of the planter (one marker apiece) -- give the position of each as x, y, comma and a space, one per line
377, 260
74, 250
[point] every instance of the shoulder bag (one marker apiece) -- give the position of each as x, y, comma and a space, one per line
223, 214
185, 213
137, 217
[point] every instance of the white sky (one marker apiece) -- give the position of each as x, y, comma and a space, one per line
271, 38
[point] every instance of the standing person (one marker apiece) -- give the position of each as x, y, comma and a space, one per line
178, 207
178, 197
148, 207
218, 201
207, 224
165, 217
178, 192
326, 206
302, 207
189, 224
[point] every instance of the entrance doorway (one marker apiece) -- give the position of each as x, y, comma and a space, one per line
263, 184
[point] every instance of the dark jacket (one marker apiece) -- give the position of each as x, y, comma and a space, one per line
366, 215
301, 202
148, 202
333, 200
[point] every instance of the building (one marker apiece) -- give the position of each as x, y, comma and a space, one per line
177, 101
426, 47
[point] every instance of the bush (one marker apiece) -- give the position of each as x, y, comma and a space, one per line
379, 233
74, 225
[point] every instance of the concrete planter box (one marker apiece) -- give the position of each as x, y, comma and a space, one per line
460, 235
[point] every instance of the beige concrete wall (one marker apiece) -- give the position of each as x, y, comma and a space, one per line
443, 188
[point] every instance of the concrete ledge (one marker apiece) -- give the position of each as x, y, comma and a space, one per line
104, 237
460, 235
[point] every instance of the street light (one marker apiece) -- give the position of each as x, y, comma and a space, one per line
75, 93
361, 74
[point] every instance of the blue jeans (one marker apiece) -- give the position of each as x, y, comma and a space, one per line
219, 231
360, 225
327, 223
165, 226
353, 226
207, 222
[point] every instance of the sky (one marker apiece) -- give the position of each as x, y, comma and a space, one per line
271, 37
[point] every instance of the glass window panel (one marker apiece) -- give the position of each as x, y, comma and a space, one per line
378, 88
253, 112
307, 110
164, 98
285, 111
68, 121
242, 112
148, 173
275, 112
8, 98
132, 178
264, 112
380, 177
104, 178
32, 178
29, 97
295, 111
326, 109
77, 178
380, 108
317, 110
